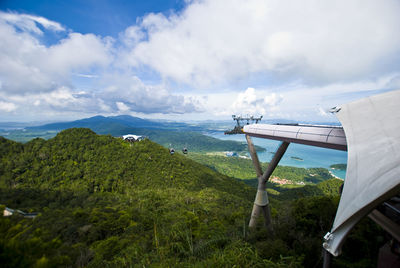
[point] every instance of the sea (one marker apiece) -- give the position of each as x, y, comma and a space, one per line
297, 155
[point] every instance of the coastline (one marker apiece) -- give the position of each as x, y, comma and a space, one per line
333, 175
312, 156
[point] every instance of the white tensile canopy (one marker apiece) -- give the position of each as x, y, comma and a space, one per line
372, 128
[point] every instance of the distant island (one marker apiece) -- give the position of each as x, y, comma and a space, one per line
297, 158
338, 166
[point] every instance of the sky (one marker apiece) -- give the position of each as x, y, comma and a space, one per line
194, 60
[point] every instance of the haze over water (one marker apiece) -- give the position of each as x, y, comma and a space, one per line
311, 156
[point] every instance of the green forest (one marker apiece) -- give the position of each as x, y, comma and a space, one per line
339, 166
243, 169
105, 202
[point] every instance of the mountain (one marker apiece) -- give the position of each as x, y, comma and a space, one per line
115, 124
100, 122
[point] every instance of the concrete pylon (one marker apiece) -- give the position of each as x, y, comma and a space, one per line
261, 202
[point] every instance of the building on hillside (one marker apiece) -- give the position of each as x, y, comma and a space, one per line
8, 212
132, 138
231, 154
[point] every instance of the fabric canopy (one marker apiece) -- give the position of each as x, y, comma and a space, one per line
372, 129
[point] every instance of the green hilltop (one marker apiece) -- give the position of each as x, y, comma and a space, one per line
105, 202
78, 159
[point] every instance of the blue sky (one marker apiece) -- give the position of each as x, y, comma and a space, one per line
183, 60
101, 17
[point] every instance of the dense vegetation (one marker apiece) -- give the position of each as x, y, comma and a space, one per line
194, 141
105, 202
243, 169
318, 180
339, 166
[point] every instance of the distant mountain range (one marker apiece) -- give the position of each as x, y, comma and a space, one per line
100, 123
117, 125
177, 135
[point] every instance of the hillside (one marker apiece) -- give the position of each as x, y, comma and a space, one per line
103, 188
104, 202
81, 160
195, 142
243, 169
317, 181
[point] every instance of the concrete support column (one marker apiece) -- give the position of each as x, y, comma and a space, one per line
261, 202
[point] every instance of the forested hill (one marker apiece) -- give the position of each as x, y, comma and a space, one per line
104, 202
79, 159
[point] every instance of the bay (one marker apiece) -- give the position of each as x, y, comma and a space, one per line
297, 155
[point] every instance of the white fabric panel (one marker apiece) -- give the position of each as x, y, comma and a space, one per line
372, 128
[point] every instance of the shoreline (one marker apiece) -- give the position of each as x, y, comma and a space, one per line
312, 160
333, 175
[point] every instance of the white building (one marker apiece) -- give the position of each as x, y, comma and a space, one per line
132, 138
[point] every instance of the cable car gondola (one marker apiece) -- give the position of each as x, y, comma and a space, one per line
171, 150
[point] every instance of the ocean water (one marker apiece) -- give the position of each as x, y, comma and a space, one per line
297, 155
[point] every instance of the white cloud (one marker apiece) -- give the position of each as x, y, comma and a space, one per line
43, 105
42, 77
317, 41
303, 57
60, 98
297, 101
122, 107
30, 66
123, 95
132, 35
133, 93
30, 23
255, 103
7, 106
273, 100
78, 52
87, 75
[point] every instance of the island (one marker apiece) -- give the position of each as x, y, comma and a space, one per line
297, 158
338, 166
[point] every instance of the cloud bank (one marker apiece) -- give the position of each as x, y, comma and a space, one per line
282, 58
40, 77
315, 41
28, 65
